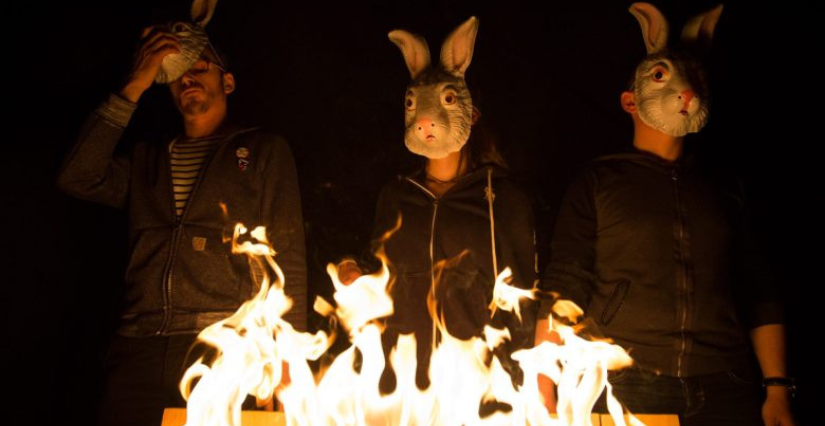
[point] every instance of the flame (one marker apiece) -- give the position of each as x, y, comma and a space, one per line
254, 343
579, 368
252, 346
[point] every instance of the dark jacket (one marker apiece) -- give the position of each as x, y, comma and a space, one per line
660, 257
181, 276
456, 227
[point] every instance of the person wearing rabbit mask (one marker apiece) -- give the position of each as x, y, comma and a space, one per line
655, 247
183, 197
461, 206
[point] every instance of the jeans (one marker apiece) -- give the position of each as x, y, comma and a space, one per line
726, 398
142, 376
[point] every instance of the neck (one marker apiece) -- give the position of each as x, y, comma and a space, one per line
447, 168
443, 173
206, 124
646, 138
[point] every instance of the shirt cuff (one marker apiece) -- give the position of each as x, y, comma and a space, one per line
116, 110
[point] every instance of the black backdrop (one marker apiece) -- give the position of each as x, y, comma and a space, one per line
546, 77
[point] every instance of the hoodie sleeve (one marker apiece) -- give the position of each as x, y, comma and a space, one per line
570, 272
92, 171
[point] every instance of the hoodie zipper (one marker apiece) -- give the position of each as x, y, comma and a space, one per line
684, 280
167, 273
432, 228
178, 230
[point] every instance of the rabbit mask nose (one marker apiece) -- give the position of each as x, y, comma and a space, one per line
686, 96
425, 128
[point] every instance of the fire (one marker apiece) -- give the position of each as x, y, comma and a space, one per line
255, 342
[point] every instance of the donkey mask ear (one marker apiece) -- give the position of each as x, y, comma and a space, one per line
654, 26
699, 30
202, 10
415, 51
457, 50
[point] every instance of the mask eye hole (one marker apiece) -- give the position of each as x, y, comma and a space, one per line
660, 75
409, 101
449, 98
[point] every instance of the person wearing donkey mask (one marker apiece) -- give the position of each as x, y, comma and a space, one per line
183, 197
654, 245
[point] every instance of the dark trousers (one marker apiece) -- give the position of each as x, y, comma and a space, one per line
728, 398
142, 376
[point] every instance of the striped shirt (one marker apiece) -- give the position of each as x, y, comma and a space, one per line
187, 160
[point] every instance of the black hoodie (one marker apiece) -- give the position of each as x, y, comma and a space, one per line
181, 275
660, 256
456, 227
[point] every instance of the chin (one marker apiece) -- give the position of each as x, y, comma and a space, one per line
194, 107
433, 150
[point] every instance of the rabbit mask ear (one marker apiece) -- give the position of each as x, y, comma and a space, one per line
415, 51
699, 30
457, 50
201, 11
654, 26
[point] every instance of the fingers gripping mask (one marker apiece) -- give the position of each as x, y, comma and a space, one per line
438, 106
670, 86
193, 41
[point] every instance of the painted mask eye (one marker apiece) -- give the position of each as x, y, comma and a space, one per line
449, 98
660, 75
409, 102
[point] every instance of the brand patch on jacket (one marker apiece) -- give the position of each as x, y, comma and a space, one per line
242, 153
199, 243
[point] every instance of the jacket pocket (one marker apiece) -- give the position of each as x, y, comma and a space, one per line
462, 300
207, 275
615, 301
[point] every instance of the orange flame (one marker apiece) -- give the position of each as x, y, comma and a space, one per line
255, 341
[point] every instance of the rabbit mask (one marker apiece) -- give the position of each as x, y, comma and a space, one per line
670, 86
193, 41
438, 106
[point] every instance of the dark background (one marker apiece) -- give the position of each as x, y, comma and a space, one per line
547, 79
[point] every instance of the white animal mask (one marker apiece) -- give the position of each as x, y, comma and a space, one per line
438, 105
193, 41
670, 86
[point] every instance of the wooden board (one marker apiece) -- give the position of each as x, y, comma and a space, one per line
177, 417
647, 419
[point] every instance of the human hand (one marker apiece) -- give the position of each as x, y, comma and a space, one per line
348, 271
156, 42
776, 411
